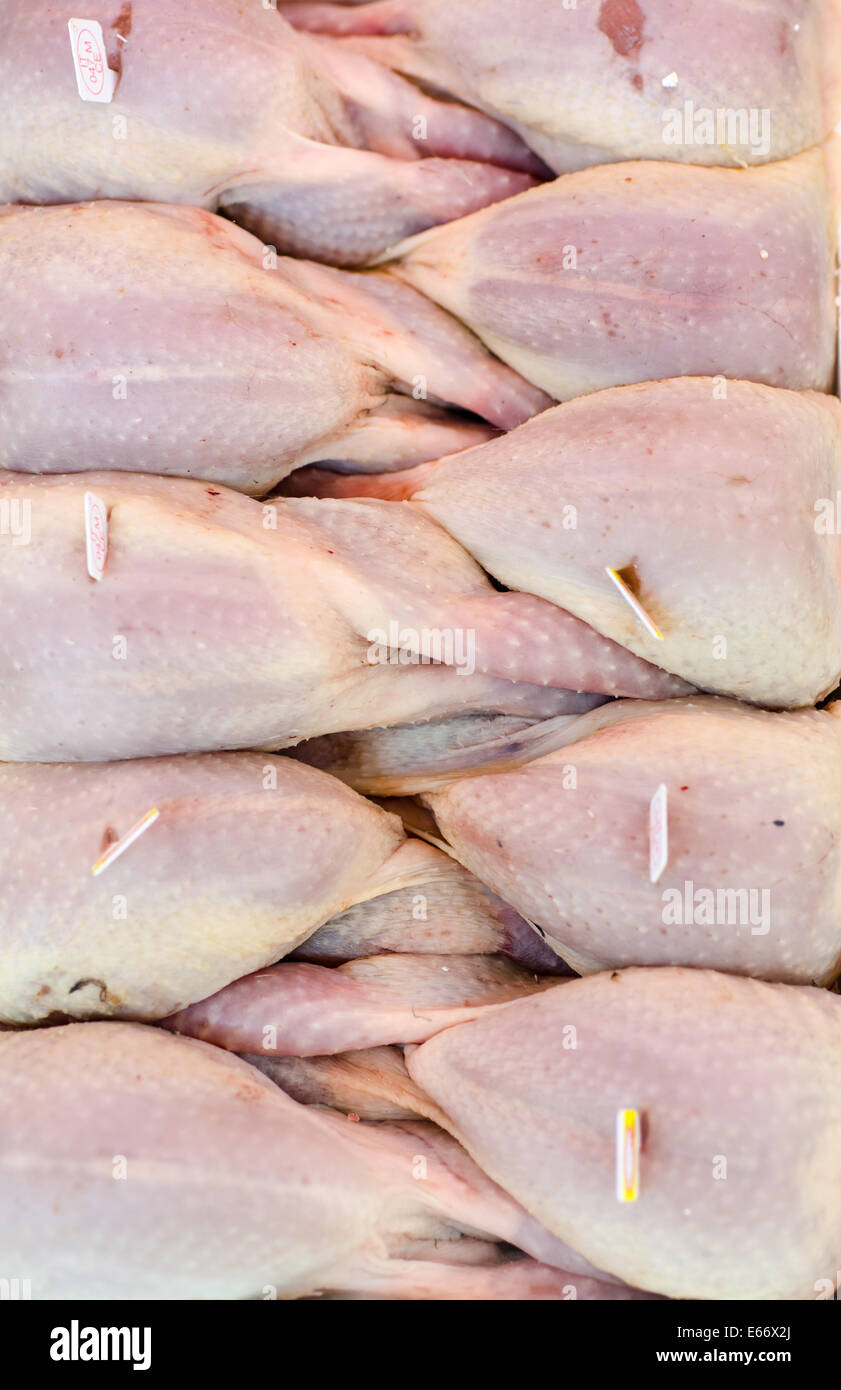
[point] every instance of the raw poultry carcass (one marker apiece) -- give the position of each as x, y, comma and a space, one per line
737, 1087
246, 857
631, 272
220, 104
585, 81
170, 342
139, 1165
441, 908
752, 881
301, 1010
221, 623
717, 503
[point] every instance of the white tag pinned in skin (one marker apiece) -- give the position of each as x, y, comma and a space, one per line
94, 79
96, 534
120, 846
658, 833
634, 603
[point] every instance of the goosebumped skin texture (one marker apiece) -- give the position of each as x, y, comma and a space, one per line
232, 1190
440, 909
223, 624
585, 84
171, 342
723, 1071
223, 106
372, 1085
248, 855
632, 272
301, 1010
754, 805
721, 511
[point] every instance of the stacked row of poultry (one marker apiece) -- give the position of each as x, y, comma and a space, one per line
420, 591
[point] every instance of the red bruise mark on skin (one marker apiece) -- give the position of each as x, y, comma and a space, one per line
109, 836
246, 1090
636, 81
122, 28
122, 24
622, 22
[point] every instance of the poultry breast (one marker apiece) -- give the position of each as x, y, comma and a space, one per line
221, 105
220, 623
170, 342
599, 80
717, 502
631, 272
738, 1087
139, 1165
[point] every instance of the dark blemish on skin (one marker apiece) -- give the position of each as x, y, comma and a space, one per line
109, 835
100, 984
645, 1130
614, 974
122, 28
45, 989
212, 492
622, 22
499, 843
122, 24
779, 822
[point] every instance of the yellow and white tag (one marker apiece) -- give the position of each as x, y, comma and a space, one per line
628, 1127
120, 846
94, 79
633, 603
658, 833
96, 534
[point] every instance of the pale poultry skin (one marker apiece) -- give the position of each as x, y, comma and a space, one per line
220, 623
597, 80
302, 1010
738, 1086
719, 502
171, 342
632, 272
249, 854
140, 1165
221, 105
754, 809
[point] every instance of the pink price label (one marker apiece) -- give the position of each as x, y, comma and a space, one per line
96, 535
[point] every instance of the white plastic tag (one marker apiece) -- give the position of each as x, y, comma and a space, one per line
94, 79
658, 833
96, 534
